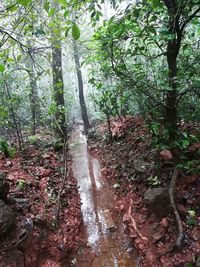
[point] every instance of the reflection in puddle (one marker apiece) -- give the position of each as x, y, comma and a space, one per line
108, 244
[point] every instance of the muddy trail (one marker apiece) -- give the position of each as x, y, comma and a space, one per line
106, 244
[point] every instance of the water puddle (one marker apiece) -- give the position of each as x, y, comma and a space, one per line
107, 245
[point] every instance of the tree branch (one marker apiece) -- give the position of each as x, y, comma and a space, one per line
190, 18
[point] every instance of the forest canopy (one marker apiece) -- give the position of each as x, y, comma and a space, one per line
136, 57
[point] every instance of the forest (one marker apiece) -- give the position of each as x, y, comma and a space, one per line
99, 133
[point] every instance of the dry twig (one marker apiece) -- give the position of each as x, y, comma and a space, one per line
134, 222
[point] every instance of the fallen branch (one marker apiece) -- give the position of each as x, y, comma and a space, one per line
64, 177
134, 222
172, 202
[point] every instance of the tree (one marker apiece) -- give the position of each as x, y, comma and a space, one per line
179, 15
33, 95
143, 51
58, 85
80, 87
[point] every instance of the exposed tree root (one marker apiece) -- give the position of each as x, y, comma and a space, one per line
134, 222
177, 216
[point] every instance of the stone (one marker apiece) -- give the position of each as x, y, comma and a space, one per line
166, 155
108, 220
7, 217
153, 195
4, 186
140, 165
158, 200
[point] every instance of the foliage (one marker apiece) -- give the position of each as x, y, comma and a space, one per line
191, 218
131, 52
21, 184
153, 180
7, 150
4, 147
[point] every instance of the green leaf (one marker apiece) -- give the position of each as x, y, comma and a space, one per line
2, 68
24, 2
63, 2
47, 6
192, 213
75, 32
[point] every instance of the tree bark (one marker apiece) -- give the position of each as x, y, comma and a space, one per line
173, 47
80, 88
58, 86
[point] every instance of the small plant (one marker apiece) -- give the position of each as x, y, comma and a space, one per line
191, 218
21, 184
153, 180
7, 150
115, 186
190, 166
12, 152
4, 147
32, 139
160, 135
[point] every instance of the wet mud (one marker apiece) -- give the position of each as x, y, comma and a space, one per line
107, 244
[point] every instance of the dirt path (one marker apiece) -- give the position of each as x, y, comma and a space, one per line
107, 245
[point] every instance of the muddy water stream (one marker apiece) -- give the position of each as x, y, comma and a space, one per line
107, 245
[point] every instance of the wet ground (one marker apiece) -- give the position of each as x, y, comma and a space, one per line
107, 245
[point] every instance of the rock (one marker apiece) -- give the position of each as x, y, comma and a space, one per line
108, 220
9, 164
7, 217
158, 199
153, 195
166, 155
4, 186
140, 165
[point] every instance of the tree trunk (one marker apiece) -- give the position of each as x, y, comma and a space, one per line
80, 87
33, 95
109, 128
173, 47
58, 86
171, 100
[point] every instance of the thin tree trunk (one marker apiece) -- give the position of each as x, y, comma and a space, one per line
109, 128
80, 87
33, 95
